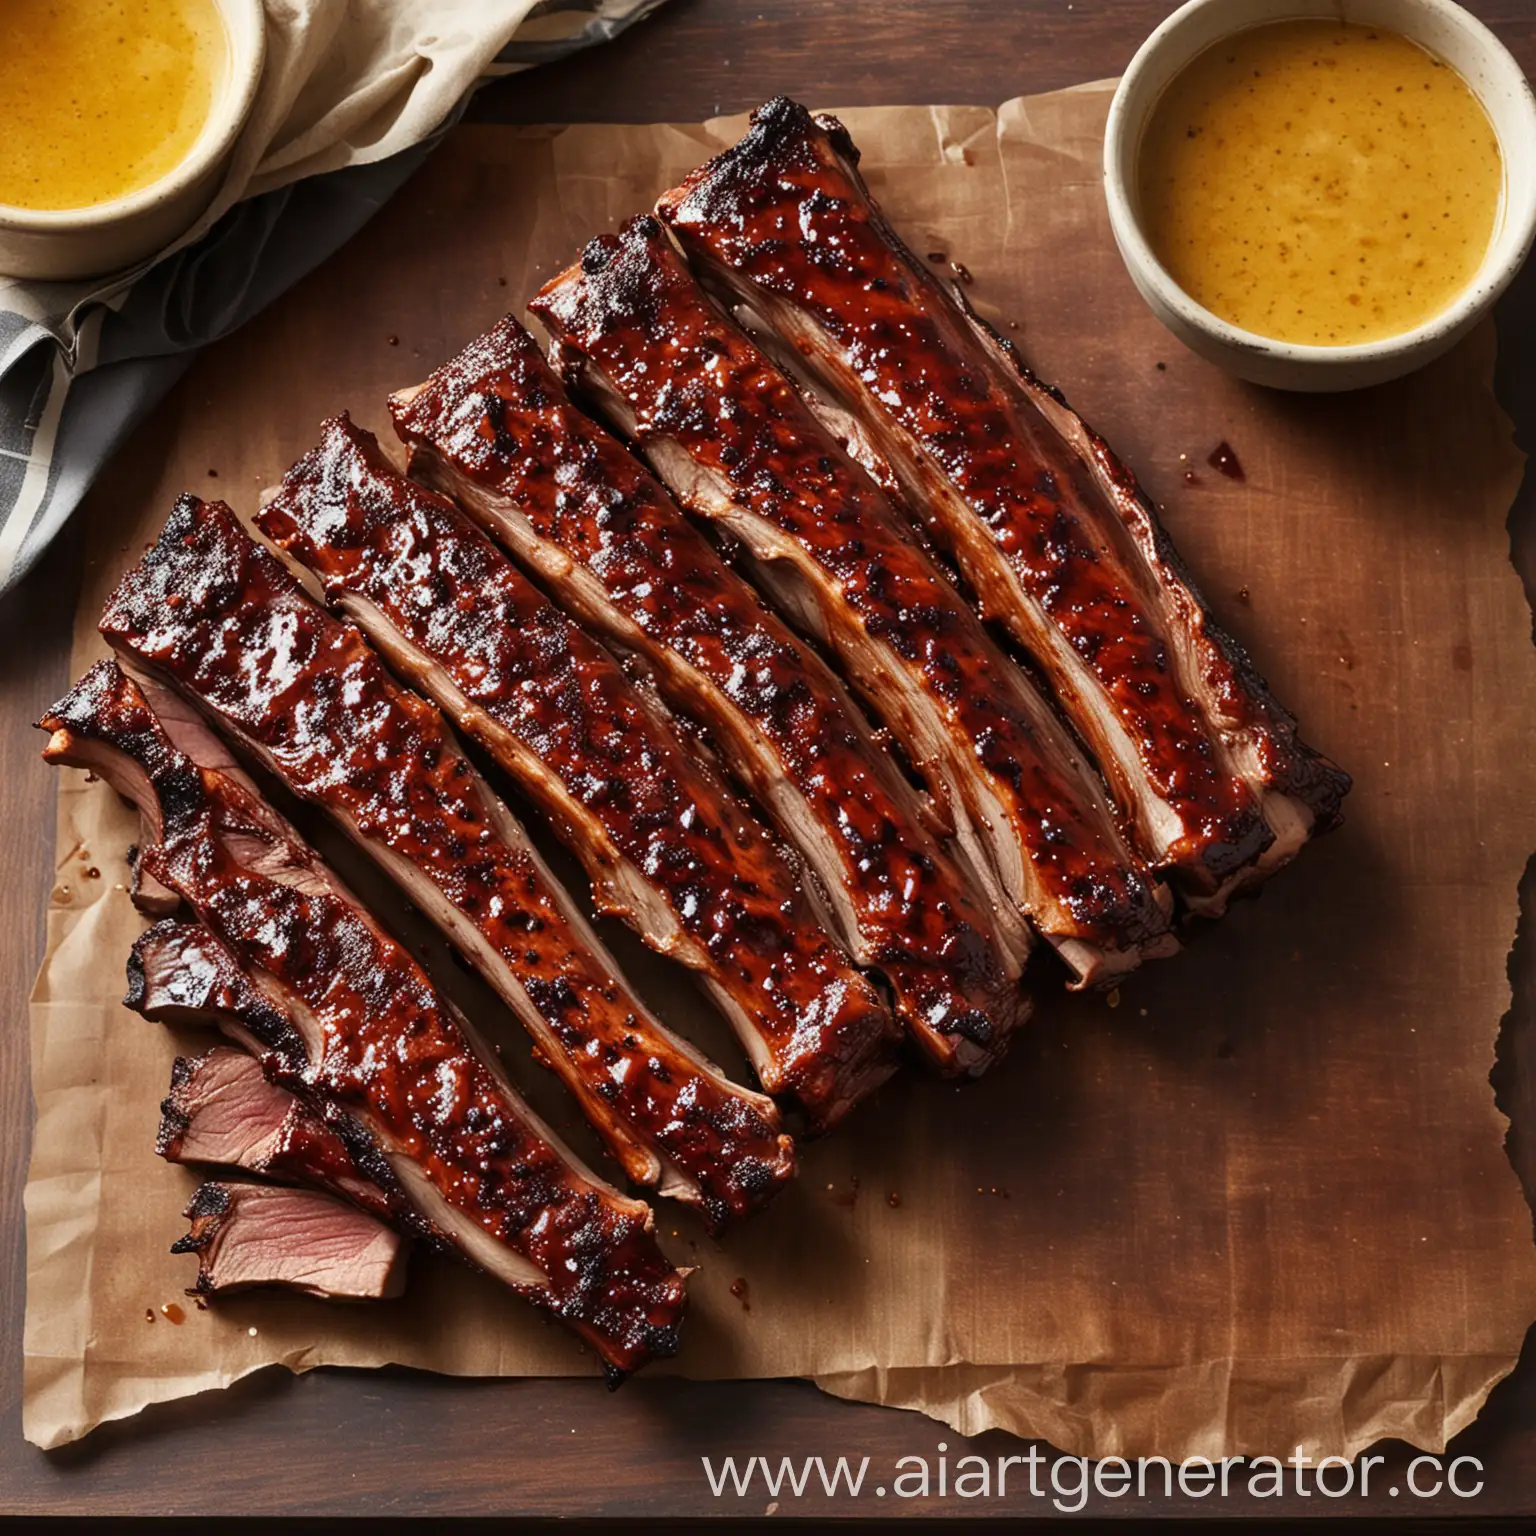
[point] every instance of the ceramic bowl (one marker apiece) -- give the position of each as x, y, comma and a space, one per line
1447, 31
107, 237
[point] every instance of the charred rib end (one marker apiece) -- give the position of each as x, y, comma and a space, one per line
956, 1033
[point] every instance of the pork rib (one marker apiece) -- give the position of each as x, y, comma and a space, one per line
667, 845
217, 618
249, 1235
380, 1043
1047, 525
734, 442
495, 429
178, 973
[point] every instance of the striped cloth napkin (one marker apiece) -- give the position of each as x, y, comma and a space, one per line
353, 97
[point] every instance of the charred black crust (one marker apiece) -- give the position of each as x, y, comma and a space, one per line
1125, 908
211, 1199
370, 1162
207, 1209
107, 707
782, 123
137, 995
783, 133
596, 254
613, 289
649, 1343
85, 703
973, 1025
174, 1120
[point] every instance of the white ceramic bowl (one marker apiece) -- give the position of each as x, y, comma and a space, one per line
106, 237
1447, 31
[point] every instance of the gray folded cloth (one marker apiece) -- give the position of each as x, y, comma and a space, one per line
80, 364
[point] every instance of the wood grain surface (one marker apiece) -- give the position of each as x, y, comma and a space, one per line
393, 1443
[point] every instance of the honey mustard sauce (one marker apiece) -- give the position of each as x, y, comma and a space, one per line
99, 98
1320, 182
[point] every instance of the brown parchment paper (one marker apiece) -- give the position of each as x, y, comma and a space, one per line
1259, 1201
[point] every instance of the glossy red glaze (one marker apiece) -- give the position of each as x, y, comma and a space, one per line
368, 532
218, 617
497, 418
393, 1051
633, 313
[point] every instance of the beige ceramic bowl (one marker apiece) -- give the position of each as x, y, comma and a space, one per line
1447, 31
106, 237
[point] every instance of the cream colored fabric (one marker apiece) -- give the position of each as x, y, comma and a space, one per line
349, 83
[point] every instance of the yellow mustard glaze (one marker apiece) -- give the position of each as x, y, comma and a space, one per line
101, 97
1320, 182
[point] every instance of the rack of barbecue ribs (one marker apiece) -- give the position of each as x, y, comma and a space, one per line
667, 845
823, 484
495, 430
218, 623
735, 443
1047, 526
380, 1046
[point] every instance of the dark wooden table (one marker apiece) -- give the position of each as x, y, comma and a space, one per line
396, 1443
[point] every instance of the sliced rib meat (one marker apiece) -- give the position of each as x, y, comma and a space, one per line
223, 1109
249, 1235
1047, 525
215, 617
735, 443
380, 1043
495, 429
667, 845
